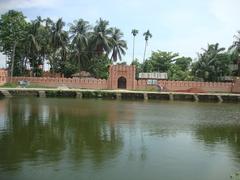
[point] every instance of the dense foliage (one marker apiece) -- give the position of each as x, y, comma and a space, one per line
29, 45
178, 68
213, 64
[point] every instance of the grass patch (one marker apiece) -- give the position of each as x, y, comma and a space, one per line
39, 86
9, 85
14, 85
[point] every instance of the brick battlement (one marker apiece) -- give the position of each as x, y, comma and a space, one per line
188, 85
124, 76
86, 83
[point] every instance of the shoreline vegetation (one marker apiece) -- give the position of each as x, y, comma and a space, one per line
70, 48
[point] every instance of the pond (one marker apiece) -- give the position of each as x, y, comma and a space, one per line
63, 138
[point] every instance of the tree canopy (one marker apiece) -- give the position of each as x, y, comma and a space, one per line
67, 49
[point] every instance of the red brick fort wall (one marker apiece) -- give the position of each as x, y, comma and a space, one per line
117, 71
128, 72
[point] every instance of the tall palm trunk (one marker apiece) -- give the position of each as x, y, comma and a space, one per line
133, 47
13, 57
145, 51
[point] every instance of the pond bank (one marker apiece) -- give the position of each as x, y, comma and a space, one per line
119, 94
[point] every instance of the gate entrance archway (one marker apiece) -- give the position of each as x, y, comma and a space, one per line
122, 77
122, 83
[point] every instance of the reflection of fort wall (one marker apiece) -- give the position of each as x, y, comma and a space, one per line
120, 112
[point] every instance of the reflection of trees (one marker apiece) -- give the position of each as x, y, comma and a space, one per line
36, 133
226, 134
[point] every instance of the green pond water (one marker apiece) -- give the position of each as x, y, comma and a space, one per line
50, 138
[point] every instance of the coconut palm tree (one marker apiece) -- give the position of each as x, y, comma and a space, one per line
59, 42
100, 41
236, 50
134, 33
147, 35
211, 64
79, 33
118, 45
58, 34
236, 43
34, 46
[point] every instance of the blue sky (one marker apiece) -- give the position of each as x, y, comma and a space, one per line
183, 26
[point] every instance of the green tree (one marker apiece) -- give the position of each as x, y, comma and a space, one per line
35, 44
43, 41
139, 67
184, 63
100, 41
99, 66
12, 31
69, 69
118, 45
180, 69
147, 35
148, 66
134, 33
59, 43
236, 51
79, 34
212, 64
162, 60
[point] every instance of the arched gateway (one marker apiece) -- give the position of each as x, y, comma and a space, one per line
122, 83
122, 77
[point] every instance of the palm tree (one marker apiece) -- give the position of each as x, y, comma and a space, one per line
236, 49
147, 35
211, 63
134, 33
236, 43
59, 42
79, 34
57, 37
34, 46
118, 45
100, 40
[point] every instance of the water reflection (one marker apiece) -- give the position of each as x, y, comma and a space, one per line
215, 135
153, 140
46, 130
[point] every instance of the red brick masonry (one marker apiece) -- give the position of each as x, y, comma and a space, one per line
128, 72
3, 76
